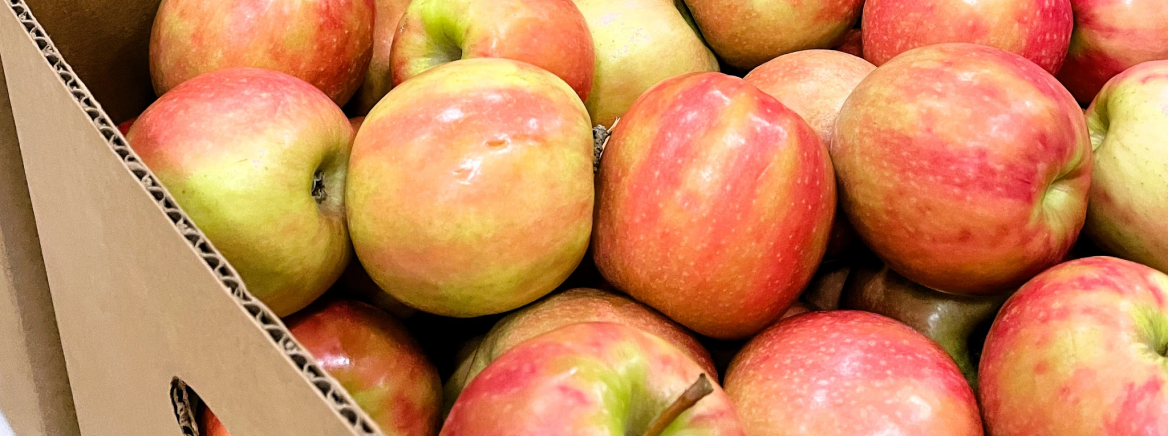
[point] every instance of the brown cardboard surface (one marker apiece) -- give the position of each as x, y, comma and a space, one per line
141, 298
34, 388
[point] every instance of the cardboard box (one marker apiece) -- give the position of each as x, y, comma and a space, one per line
34, 388
151, 317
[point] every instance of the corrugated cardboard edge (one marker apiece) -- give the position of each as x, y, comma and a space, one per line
34, 386
338, 398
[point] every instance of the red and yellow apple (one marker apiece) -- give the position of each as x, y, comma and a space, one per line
814, 84
1127, 212
852, 43
1080, 351
714, 203
257, 159
374, 359
588, 379
379, 78
1111, 36
327, 43
1038, 30
964, 167
746, 33
471, 187
845, 373
639, 43
573, 306
550, 34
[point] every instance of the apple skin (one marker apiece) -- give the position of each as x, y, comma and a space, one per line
1110, 37
572, 307
435, 215
550, 34
849, 373
1127, 210
694, 213
379, 78
949, 320
1038, 30
852, 43
588, 379
1079, 351
376, 360
125, 126
241, 150
327, 43
639, 43
971, 212
746, 33
814, 84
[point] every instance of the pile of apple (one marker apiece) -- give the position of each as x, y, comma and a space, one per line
856, 218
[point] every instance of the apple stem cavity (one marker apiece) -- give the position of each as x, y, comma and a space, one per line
688, 399
318, 191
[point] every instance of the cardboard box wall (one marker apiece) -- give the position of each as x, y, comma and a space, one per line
145, 305
34, 388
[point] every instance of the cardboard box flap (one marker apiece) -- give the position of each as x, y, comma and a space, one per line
143, 297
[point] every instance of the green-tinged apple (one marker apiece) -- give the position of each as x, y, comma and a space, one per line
1080, 350
471, 187
714, 203
327, 43
951, 321
746, 33
639, 43
964, 167
814, 84
594, 378
1038, 30
849, 373
379, 78
375, 360
852, 43
1111, 36
572, 307
257, 159
356, 284
823, 293
550, 34
1128, 212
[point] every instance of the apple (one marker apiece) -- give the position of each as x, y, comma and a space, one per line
746, 33
964, 167
1130, 182
1111, 36
1038, 30
572, 307
714, 204
639, 43
951, 321
826, 287
356, 284
327, 43
125, 126
852, 43
379, 78
257, 159
471, 187
375, 360
1080, 351
849, 373
550, 34
594, 378
813, 83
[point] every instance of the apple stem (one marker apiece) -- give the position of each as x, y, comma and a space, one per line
691, 396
